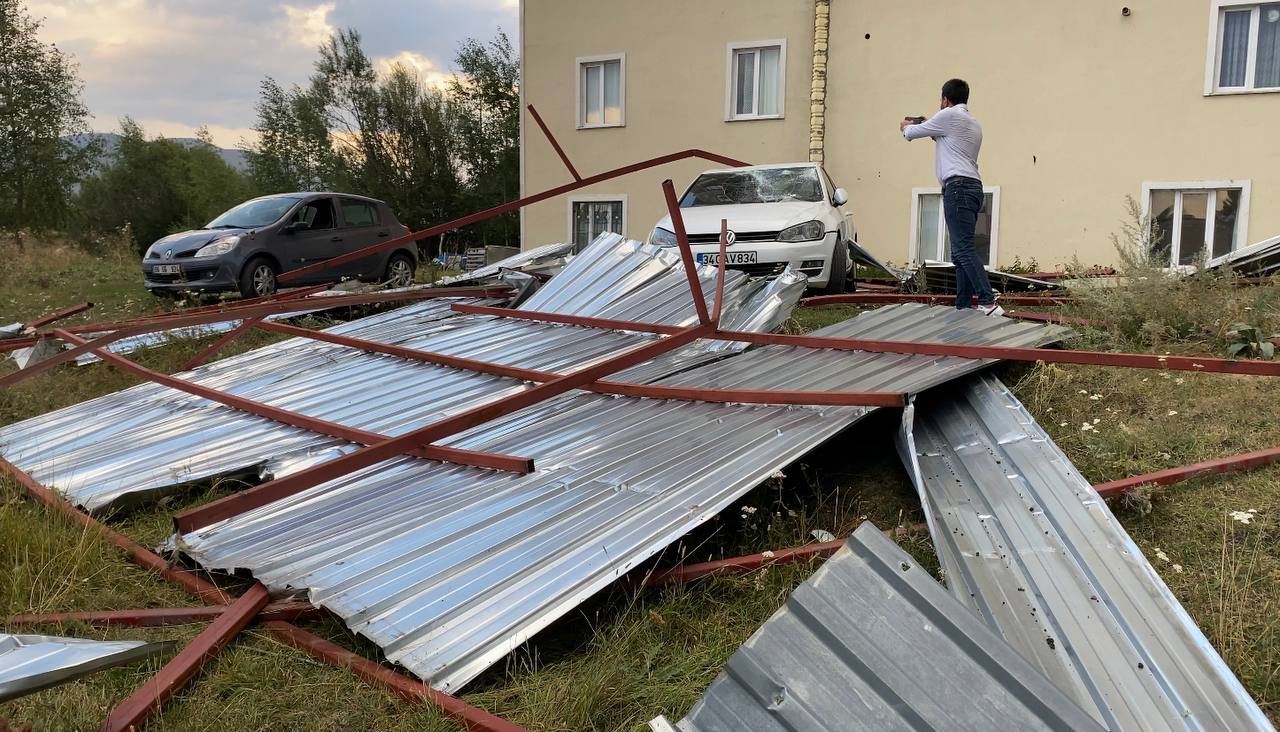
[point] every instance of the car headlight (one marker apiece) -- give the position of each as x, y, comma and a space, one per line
808, 231
221, 246
663, 238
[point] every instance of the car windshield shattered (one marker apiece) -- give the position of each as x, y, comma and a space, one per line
253, 214
769, 185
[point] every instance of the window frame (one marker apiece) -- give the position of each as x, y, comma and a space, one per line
731, 51
916, 193
1213, 60
377, 215
1197, 186
579, 80
598, 198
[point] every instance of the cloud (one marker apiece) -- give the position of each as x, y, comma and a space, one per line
309, 26
426, 69
223, 136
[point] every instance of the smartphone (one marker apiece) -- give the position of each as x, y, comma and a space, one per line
914, 120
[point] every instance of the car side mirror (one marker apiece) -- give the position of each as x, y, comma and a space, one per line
297, 226
841, 197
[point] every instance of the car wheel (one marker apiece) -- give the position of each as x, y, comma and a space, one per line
839, 270
399, 271
258, 279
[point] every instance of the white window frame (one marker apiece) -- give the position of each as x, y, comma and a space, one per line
1218, 8
916, 193
596, 198
1196, 186
730, 69
578, 64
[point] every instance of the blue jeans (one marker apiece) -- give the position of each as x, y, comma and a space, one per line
961, 202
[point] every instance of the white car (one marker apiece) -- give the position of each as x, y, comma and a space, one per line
778, 215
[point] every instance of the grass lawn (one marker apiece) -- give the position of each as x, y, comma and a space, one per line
624, 657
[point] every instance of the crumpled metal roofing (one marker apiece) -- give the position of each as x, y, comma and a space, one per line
872, 642
1259, 260
449, 568
33, 662
541, 259
122, 448
1027, 543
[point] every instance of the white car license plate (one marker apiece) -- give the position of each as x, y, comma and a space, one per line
168, 269
730, 258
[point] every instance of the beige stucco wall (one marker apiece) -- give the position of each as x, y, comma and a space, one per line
1079, 105
675, 96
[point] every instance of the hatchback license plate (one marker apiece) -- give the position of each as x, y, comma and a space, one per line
730, 258
168, 269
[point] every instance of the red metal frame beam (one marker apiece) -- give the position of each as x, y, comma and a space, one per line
686, 254
274, 490
269, 308
245, 326
164, 616
520, 465
56, 315
889, 298
719, 301
1048, 318
222, 307
647, 391
157, 690
409, 689
1247, 461
508, 207
195, 585
555, 144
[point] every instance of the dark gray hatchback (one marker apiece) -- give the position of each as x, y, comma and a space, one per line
249, 246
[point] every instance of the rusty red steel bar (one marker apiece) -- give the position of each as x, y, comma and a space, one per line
719, 300
409, 689
222, 307
686, 254
167, 682
649, 391
1246, 461
435, 452
265, 493
1206, 364
195, 585
268, 308
555, 144
245, 326
163, 616
889, 298
1048, 318
508, 207
56, 315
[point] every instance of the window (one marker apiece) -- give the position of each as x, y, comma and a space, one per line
1196, 219
1244, 47
930, 240
358, 213
601, 91
591, 217
757, 80
317, 214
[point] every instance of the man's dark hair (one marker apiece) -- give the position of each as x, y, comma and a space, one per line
956, 91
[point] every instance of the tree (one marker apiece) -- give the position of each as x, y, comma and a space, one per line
159, 186
40, 110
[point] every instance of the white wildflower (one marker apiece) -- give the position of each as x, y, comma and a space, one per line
1062, 424
1097, 420
777, 475
748, 510
820, 535
1095, 397
1173, 413
1084, 391
767, 554
1161, 555
1179, 382
1243, 517
1177, 568
1086, 427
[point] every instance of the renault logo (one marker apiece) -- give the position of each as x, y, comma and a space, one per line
168, 254
730, 238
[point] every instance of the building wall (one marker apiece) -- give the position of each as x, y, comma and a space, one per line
1079, 104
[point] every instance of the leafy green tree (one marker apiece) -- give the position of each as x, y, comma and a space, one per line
158, 186
40, 109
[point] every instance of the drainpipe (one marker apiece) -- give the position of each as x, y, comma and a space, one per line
818, 86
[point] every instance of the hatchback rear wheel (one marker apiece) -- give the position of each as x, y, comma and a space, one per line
258, 278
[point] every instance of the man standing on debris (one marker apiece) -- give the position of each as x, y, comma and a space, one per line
959, 138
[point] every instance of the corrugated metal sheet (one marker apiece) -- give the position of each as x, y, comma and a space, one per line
1026, 541
549, 257
872, 642
32, 662
450, 568
1259, 260
123, 447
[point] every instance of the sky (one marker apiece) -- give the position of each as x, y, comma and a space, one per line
174, 65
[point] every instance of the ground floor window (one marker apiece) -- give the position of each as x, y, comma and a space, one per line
1196, 220
930, 240
589, 218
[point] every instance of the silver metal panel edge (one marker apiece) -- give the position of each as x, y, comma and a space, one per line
1027, 542
872, 642
29, 663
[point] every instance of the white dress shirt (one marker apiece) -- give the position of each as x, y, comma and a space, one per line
959, 138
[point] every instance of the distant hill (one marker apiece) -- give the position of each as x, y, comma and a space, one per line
110, 141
